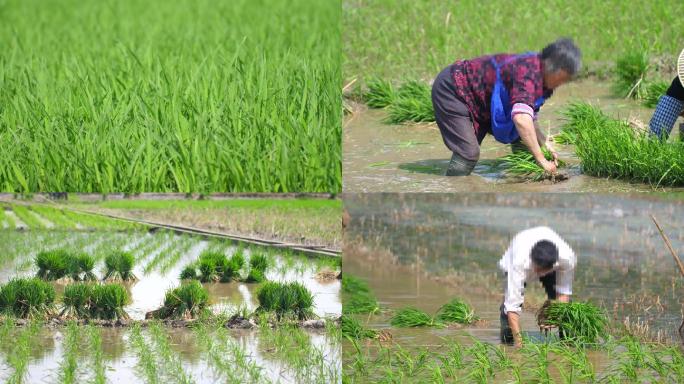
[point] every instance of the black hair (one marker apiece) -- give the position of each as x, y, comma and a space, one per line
544, 254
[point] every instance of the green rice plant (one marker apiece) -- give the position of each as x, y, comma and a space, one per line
523, 164
238, 260
352, 328
86, 264
27, 298
146, 361
357, 297
171, 362
77, 300
255, 276
630, 72
285, 299
581, 321
413, 317
108, 300
258, 261
456, 311
653, 91
26, 215
95, 351
189, 272
411, 108
481, 364
172, 100
188, 301
214, 266
67, 372
19, 357
380, 93
54, 264
119, 266
612, 148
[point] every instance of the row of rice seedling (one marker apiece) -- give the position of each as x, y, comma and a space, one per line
626, 360
608, 147
26, 216
172, 242
99, 367
228, 357
169, 361
67, 372
55, 216
146, 363
215, 266
59, 264
183, 249
181, 96
357, 296
20, 351
410, 102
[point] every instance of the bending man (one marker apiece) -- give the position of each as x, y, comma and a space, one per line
534, 254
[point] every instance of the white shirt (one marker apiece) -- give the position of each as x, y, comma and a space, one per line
517, 263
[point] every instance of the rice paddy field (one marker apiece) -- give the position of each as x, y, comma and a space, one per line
184, 96
422, 289
225, 333
393, 50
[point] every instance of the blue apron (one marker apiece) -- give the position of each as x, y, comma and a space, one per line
503, 127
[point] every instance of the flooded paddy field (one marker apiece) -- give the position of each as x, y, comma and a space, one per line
423, 250
380, 157
205, 352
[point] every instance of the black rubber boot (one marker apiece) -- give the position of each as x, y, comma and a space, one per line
506, 331
458, 166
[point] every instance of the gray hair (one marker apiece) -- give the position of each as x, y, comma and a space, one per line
562, 54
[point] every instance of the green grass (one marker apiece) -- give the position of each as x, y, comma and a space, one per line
352, 328
170, 96
285, 299
402, 39
119, 266
27, 298
583, 322
188, 301
611, 148
456, 311
357, 296
413, 317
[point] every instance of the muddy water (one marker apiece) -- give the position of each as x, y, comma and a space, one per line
412, 158
448, 245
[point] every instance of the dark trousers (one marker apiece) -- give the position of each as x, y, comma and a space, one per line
549, 283
676, 89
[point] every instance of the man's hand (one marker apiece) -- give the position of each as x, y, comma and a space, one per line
551, 149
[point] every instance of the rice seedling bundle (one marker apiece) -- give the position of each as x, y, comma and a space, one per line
413, 317
357, 297
54, 264
285, 299
380, 93
523, 164
27, 298
653, 92
630, 72
108, 301
258, 264
215, 266
188, 96
612, 148
189, 272
255, 276
119, 266
412, 101
77, 300
581, 321
456, 311
352, 328
185, 302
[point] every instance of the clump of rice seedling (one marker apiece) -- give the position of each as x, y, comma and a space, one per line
258, 265
413, 317
612, 148
456, 311
188, 301
653, 92
413, 103
630, 71
189, 273
107, 302
352, 328
523, 164
59, 263
119, 266
581, 321
380, 93
237, 260
357, 296
214, 266
285, 299
77, 299
27, 298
